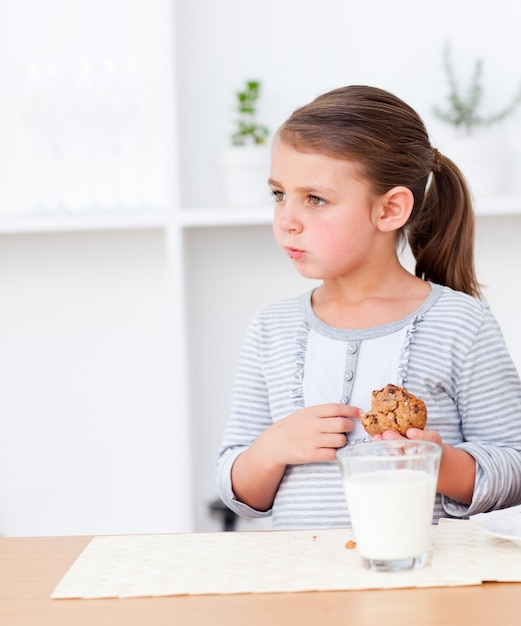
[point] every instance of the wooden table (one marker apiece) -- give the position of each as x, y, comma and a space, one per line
30, 568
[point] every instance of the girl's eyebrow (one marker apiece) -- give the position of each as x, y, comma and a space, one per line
311, 189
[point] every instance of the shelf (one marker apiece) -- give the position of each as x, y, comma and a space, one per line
11, 224
503, 205
211, 217
207, 217
499, 206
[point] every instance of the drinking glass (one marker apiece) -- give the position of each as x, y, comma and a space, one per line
390, 487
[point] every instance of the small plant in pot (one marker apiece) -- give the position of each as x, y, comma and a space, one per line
244, 165
475, 145
463, 111
249, 131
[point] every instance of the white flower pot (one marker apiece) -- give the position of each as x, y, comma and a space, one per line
482, 159
244, 172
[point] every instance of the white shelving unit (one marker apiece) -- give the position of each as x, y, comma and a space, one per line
96, 433
189, 218
66, 222
216, 216
95, 425
498, 206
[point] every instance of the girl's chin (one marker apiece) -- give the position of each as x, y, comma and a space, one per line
307, 272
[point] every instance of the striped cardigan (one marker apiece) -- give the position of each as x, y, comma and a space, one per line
454, 357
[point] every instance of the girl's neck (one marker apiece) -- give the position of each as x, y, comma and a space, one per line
375, 303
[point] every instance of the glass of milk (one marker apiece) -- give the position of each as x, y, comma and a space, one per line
390, 488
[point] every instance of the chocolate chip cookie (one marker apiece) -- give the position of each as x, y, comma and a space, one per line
394, 408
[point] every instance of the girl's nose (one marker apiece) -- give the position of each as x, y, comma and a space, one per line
287, 218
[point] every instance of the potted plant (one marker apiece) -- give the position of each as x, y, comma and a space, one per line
245, 163
248, 130
473, 145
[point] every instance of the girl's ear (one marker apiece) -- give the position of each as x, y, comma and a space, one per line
394, 209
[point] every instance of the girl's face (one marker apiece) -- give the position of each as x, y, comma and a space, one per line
325, 215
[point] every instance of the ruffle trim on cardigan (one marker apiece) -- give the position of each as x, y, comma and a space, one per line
297, 395
302, 335
403, 359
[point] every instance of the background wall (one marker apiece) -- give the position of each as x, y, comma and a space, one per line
90, 428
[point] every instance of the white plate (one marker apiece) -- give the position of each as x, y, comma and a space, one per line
504, 525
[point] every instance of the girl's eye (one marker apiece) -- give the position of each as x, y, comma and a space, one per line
316, 201
278, 195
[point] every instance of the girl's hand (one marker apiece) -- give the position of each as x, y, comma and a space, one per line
308, 435
412, 433
457, 467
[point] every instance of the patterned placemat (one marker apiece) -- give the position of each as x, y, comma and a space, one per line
275, 561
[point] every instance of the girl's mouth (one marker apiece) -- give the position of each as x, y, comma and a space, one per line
294, 253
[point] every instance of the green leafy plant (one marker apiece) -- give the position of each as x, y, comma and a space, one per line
463, 109
249, 131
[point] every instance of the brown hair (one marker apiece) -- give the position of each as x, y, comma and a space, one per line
388, 139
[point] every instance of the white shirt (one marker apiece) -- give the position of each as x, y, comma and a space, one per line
348, 371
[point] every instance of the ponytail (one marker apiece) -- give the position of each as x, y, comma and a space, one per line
441, 233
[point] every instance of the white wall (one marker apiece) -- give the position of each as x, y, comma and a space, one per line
299, 48
88, 403
498, 259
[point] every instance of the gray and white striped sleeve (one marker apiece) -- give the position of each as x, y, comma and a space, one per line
249, 416
489, 403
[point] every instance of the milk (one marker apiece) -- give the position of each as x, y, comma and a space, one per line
391, 512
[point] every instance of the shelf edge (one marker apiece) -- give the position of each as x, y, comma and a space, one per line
60, 223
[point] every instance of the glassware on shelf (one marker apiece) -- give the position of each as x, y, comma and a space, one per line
93, 132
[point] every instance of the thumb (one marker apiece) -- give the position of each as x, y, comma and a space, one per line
416, 433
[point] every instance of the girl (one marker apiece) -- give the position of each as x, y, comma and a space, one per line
354, 177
